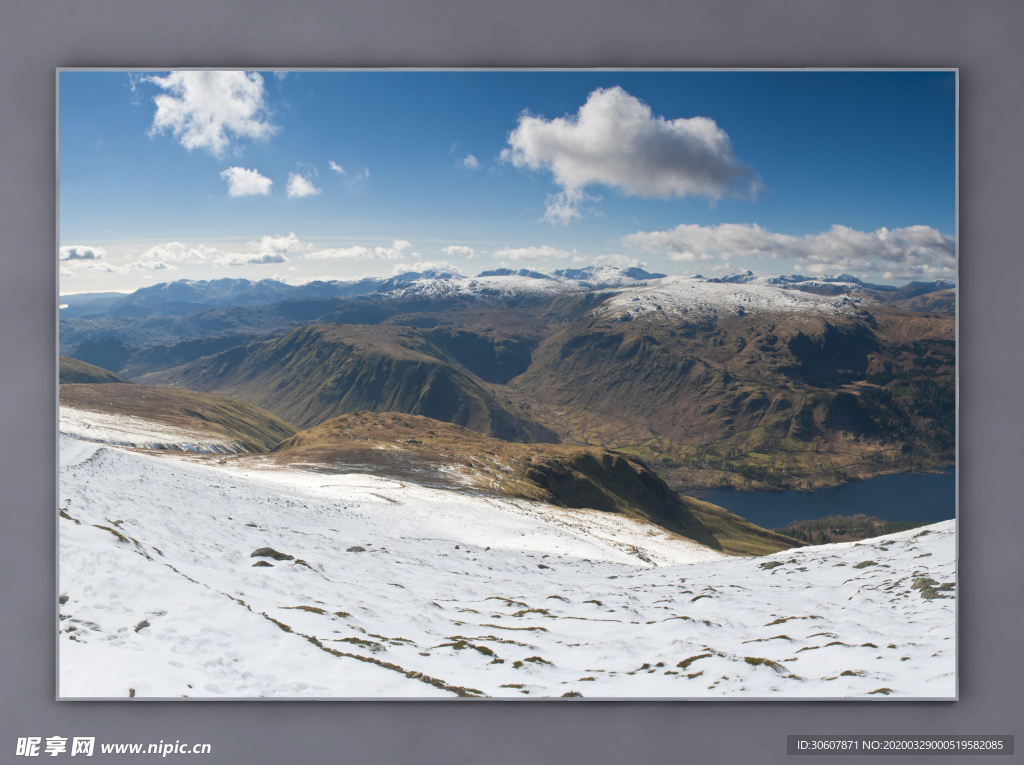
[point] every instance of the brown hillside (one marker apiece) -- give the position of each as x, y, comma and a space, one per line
222, 417
943, 301
74, 371
758, 401
316, 372
418, 449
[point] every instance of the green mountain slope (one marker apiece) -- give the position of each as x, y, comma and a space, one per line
316, 372
224, 417
75, 371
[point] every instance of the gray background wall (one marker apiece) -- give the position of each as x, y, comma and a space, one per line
981, 37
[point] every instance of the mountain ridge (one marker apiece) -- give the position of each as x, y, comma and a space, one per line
313, 373
76, 371
186, 296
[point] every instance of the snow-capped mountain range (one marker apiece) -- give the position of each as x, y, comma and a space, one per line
185, 296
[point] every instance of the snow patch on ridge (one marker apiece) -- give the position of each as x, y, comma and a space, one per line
678, 295
506, 282
123, 430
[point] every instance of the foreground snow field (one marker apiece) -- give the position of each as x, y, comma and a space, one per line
397, 590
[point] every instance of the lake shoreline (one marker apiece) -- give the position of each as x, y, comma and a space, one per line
702, 492
925, 497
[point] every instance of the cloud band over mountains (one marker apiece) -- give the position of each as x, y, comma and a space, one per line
910, 251
542, 252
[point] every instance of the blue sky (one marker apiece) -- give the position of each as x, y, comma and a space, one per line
305, 175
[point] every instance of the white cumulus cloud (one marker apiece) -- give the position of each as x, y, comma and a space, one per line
81, 252
531, 253
278, 245
459, 251
300, 186
179, 252
614, 140
169, 256
909, 251
270, 249
470, 162
246, 183
205, 110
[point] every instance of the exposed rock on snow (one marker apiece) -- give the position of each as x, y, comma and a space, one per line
270, 552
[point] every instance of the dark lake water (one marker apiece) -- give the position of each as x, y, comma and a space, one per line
926, 498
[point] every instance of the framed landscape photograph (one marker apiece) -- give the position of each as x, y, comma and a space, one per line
519, 384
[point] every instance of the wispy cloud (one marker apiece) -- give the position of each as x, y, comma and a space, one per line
359, 252
615, 140
77, 267
619, 261
336, 167
531, 253
179, 252
426, 265
459, 251
470, 162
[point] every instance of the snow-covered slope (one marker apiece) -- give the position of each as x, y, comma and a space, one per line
504, 286
506, 283
122, 430
633, 297
694, 295
397, 590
